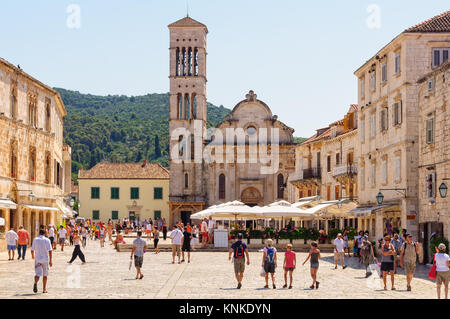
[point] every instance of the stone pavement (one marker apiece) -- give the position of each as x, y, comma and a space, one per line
209, 275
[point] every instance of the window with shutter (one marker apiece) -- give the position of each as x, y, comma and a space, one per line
361, 87
397, 168
96, 214
384, 72
95, 192
362, 133
157, 193
328, 163
114, 192
384, 172
372, 125
430, 130
134, 193
114, 215
372, 80
372, 173
397, 63
157, 214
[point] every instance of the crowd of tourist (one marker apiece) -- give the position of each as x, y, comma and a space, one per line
398, 250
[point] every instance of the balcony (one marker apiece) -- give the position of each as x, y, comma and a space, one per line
305, 177
346, 169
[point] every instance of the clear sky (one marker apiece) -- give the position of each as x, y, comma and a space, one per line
298, 56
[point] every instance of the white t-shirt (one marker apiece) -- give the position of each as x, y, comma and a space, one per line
51, 232
41, 246
11, 238
62, 233
339, 243
441, 262
176, 236
149, 227
211, 224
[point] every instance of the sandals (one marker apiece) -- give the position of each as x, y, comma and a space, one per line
312, 286
290, 287
284, 286
266, 287
317, 284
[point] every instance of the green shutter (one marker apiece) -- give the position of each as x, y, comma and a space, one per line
115, 215
95, 192
134, 193
157, 193
157, 214
96, 214
114, 192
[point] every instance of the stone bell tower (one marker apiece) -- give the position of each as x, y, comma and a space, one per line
187, 122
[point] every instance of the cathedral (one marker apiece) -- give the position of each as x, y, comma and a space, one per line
247, 157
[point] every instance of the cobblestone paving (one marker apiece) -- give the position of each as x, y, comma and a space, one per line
209, 275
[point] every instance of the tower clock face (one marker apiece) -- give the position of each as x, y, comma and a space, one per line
251, 130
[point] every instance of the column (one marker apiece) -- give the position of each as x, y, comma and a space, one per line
341, 223
378, 225
326, 226
7, 218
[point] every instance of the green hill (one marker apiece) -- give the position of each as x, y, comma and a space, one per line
120, 128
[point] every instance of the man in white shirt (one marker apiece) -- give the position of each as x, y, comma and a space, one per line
11, 243
41, 252
339, 251
211, 224
177, 238
62, 236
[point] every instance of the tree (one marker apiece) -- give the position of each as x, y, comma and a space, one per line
157, 147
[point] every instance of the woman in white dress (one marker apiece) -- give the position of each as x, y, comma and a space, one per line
194, 239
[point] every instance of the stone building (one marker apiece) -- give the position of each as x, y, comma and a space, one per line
389, 123
35, 167
208, 167
434, 155
124, 190
325, 163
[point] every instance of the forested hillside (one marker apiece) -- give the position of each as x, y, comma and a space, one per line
120, 128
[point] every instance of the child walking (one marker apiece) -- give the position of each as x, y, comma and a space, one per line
290, 262
269, 263
314, 256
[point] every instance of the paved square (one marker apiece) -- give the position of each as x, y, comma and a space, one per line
209, 275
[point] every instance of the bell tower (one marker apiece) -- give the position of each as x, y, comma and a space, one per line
187, 119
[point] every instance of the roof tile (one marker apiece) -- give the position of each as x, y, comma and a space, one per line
106, 170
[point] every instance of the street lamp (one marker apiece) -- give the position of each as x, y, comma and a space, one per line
443, 190
72, 202
380, 198
31, 196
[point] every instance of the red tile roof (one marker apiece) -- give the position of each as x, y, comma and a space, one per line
439, 23
106, 170
188, 22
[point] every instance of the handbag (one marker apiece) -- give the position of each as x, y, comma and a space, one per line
432, 273
263, 272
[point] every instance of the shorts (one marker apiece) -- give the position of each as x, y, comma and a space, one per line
186, 248
315, 266
204, 235
62, 241
269, 267
338, 256
176, 250
442, 277
52, 239
239, 265
11, 247
138, 261
148, 232
289, 268
211, 231
41, 269
387, 266
410, 267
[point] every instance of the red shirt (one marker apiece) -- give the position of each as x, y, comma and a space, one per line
23, 237
290, 255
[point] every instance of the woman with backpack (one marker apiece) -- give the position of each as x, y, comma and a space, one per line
387, 261
269, 262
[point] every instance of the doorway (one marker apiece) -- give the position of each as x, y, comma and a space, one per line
427, 231
131, 216
12, 218
186, 217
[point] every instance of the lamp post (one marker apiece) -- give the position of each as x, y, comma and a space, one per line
443, 188
31, 196
380, 198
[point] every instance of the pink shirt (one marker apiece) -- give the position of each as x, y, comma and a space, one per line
290, 256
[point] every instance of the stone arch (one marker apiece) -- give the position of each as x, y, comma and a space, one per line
251, 196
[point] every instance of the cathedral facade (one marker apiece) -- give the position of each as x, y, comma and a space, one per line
247, 157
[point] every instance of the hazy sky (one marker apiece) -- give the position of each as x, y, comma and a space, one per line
298, 56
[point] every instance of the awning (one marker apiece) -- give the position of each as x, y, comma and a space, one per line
367, 211
66, 211
5, 203
42, 207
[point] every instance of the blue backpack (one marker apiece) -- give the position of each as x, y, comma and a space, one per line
270, 255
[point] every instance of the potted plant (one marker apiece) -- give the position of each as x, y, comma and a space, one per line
299, 236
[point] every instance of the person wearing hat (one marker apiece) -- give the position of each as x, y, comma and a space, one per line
408, 258
442, 261
239, 251
339, 252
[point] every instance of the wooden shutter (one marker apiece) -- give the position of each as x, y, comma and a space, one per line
397, 168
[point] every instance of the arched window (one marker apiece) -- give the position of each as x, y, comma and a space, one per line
221, 186
13, 162
190, 61
185, 62
192, 147
181, 145
194, 106
178, 67
188, 107
13, 102
180, 107
196, 62
186, 180
280, 186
